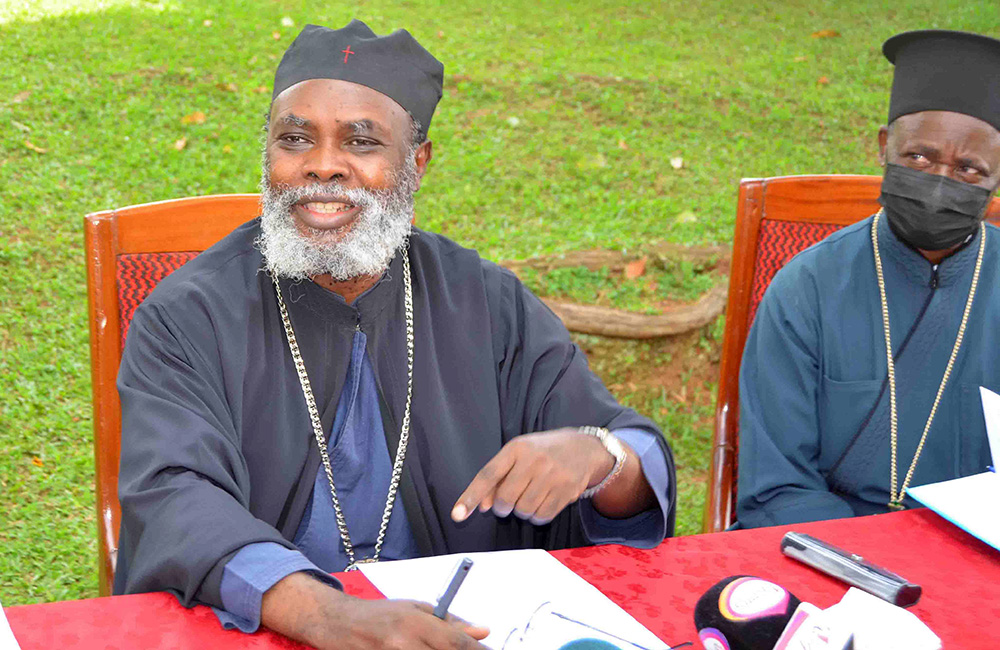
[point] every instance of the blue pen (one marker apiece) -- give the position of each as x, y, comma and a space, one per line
991, 468
444, 602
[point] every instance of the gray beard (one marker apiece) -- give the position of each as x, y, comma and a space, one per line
364, 248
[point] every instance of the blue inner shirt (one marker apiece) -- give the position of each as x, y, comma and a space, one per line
362, 469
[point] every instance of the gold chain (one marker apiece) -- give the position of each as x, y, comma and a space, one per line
404, 433
896, 499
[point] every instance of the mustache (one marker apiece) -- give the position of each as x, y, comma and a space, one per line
285, 196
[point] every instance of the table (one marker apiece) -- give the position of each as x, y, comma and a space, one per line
659, 587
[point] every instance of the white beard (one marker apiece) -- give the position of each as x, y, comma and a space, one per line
366, 248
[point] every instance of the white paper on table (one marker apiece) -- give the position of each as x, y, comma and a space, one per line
970, 502
991, 413
7, 640
504, 588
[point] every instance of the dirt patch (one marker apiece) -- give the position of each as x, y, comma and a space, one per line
678, 366
684, 369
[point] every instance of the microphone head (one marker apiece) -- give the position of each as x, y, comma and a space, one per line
743, 613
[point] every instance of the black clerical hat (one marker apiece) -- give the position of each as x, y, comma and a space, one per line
395, 65
940, 70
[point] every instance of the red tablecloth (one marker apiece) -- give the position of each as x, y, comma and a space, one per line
960, 576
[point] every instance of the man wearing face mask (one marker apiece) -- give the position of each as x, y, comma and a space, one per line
830, 425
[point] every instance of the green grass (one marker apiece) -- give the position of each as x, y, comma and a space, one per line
604, 94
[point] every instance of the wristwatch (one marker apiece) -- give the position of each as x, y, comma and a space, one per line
615, 448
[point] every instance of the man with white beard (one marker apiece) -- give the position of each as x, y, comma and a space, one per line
329, 386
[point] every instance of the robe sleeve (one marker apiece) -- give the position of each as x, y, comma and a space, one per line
779, 478
545, 383
250, 573
183, 484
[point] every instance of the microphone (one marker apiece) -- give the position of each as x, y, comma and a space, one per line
743, 613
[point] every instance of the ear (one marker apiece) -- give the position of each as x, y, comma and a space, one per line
883, 142
423, 157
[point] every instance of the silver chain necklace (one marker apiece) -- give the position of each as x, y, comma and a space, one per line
404, 432
896, 498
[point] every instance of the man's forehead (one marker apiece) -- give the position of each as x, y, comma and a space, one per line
946, 124
336, 101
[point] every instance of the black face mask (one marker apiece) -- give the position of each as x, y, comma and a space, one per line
929, 211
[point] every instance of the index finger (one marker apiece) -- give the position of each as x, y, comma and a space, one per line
483, 484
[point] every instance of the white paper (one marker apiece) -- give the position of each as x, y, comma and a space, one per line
880, 625
969, 503
505, 589
991, 412
7, 640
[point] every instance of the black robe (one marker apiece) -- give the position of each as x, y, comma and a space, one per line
217, 448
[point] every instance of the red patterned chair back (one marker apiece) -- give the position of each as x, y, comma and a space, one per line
776, 218
778, 242
137, 275
129, 250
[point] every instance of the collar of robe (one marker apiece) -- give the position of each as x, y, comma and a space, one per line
955, 268
332, 307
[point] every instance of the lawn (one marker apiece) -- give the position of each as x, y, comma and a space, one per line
556, 133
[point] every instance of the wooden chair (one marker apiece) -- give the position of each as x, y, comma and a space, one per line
776, 218
129, 250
